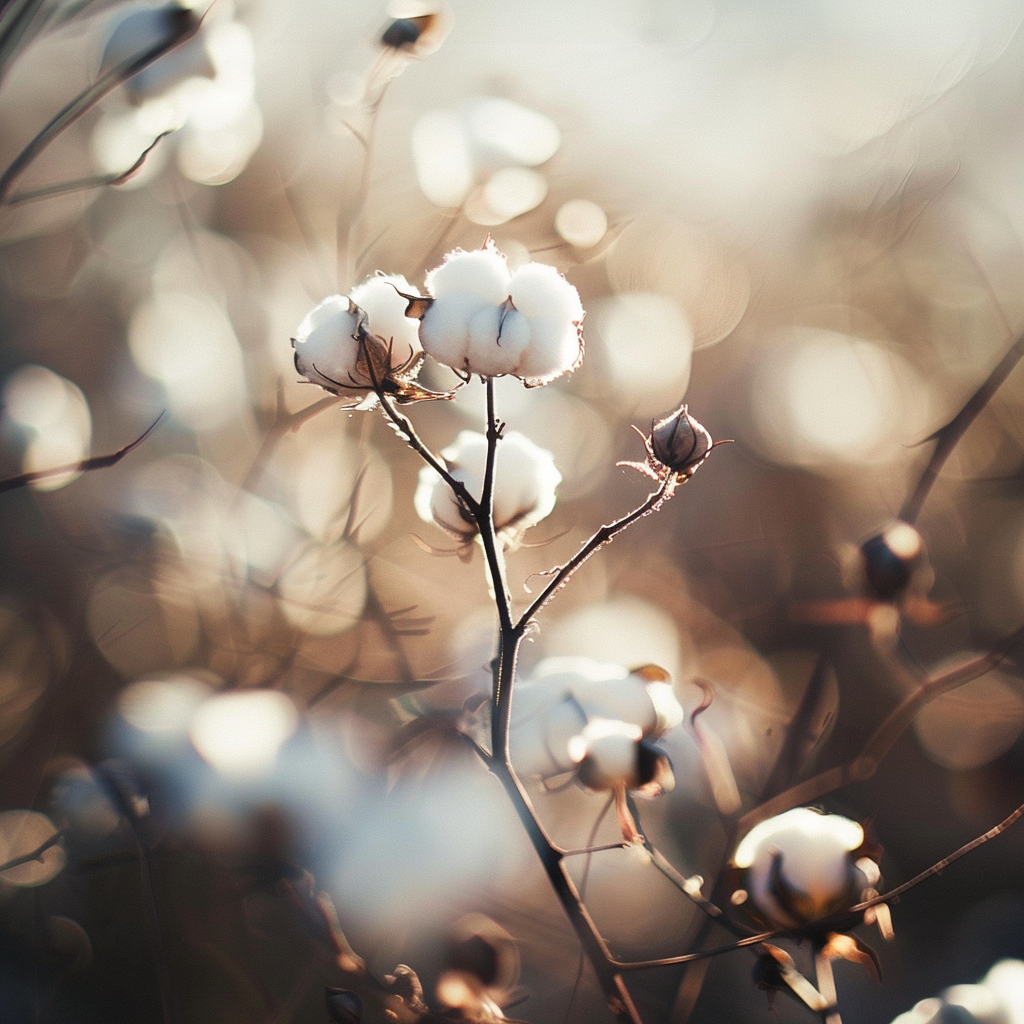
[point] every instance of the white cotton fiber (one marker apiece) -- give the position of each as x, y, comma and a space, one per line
385, 310
325, 346
482, 272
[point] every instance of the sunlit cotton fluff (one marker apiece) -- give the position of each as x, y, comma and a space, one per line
555, 703
349, 345
800, 865
485, 320
525, 481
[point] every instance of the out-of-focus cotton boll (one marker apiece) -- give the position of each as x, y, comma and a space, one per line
146, 29
800, 865
525, 481
615, 755
384, 307
563, 694
485, 320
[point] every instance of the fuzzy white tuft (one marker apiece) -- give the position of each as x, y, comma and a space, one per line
487, 321
525, 480
814, 865
379, 298
325, 345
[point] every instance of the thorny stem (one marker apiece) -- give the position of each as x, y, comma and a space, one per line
947, 437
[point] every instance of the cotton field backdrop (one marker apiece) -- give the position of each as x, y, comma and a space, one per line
382, 293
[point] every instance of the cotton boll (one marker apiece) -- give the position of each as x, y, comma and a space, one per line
800, 865
326, 346
482, 272
488, 355
385, 309
555, 348
444, 330
525, 480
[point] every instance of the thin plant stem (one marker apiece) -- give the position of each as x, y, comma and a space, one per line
86, 100
561, 575
62, 188
866, 762
408, 432
826, 986
947, 437
32, 855
96, 462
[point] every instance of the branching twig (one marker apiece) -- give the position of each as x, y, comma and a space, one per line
865, 763
87, 99
33, 855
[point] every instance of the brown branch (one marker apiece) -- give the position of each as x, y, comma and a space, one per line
96, 462
947, 437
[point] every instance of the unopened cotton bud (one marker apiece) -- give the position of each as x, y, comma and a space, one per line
679, 443
890, 559
486, 320
801, 865
525, 480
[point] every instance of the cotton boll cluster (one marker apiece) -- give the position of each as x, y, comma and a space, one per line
351, 345
487, 320
997, 999
803, 865
525, 480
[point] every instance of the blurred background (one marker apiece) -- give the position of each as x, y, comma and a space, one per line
239, 648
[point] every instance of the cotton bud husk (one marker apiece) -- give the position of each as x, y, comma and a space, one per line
803, 865
612, 754
678, 443
525, 480
486, 320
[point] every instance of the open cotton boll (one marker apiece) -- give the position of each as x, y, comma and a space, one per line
800, 866
525, 480
484, 320
327, 348
385, 308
